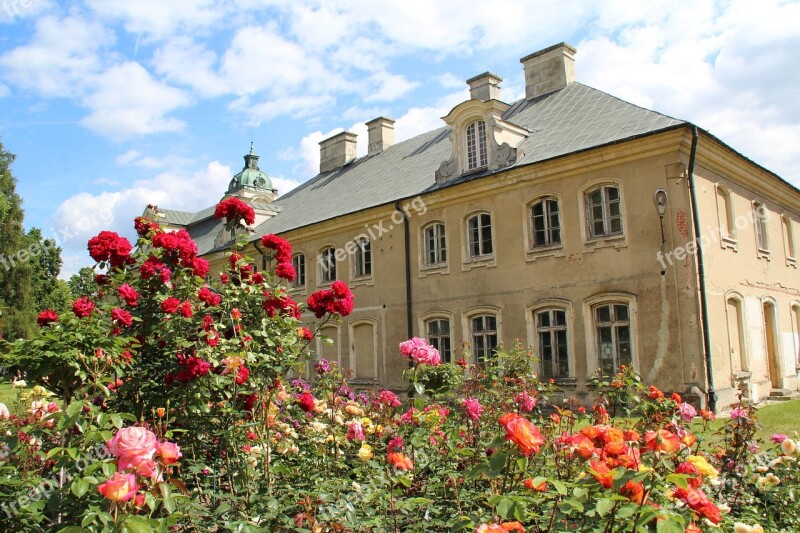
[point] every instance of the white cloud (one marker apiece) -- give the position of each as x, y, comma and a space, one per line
390, 87
128, 101
307, 153
61, 59
186, 62
448, 80
419, 120
15, 11
157, 18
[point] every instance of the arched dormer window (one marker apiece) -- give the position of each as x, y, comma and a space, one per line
477, 156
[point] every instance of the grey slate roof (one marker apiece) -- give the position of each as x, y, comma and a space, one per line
575, 118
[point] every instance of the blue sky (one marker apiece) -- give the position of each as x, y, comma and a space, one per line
113, 104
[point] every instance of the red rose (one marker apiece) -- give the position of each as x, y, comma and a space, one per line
258, 278
170, 305
46, 317
209, 297
144, 226
281, 247
306, 401
336, 300
186, 309
199, 267
285, 270
234, 210
129, 294
242, 376
109, 246
121, 316
82, 307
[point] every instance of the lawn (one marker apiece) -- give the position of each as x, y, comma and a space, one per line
8, 395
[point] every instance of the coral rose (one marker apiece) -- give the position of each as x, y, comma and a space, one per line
662, 440
400, 461
119, 488
169, 452
522, 432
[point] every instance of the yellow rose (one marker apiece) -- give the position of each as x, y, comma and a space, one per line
703, 466
365, 452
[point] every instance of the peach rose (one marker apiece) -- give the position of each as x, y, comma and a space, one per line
119, 488
133, 445
169, 452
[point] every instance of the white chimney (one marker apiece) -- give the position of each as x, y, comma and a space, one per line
485, 87
380, 132
549, 70
336, 151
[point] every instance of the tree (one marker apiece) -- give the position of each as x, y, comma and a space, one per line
82, 283
17, 316
49, 292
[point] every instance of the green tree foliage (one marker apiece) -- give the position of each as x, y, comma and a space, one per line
49, 292
82, 283
17, 315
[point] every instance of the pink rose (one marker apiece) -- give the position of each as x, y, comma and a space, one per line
144, 468
686, 411
355, 431
473, 408
777, 438
119, 488
169, 452
132, 445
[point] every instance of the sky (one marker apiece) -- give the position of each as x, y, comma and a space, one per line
110, 105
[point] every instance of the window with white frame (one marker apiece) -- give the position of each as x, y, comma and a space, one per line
545, 223
477, 156
484, 336
604, 211
613, 335
760, 216
479, 235
299, 264
727, 226
551, 333
363, 259
327, 263
788, 239
437, 331
435, 244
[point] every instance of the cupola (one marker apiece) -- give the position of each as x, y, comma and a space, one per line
251, 183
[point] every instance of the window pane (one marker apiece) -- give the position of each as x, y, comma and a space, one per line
433, 328
491, 322
477, 324
621, 313
613, 193
544, 319
604, 313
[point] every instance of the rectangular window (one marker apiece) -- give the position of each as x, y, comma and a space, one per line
479, 235
613, 334
299, 264
604, 210
327, 262
477, 156
484, 336
438, 332
760, 222
435, 245
551, 327
363, 259
545, 223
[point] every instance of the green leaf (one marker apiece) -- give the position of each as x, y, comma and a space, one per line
670, 525
679, 479
138, 525
74, 409
604, 505
560, 487
79, 487
497, 462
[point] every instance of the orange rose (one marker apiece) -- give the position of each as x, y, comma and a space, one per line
522, 433
662, 440
603, 474
119, 488
400, 461
541, 487
634, 491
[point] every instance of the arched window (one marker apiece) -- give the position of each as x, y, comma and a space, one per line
613, 335
545, 223
299, 264
483, 330
479, 235
551, 340
725, 218
760, 217
736, 338
788, 241
435, 244
604, 211
363, 259
796, 332
327, 265
438, 331
476, 145
363, 351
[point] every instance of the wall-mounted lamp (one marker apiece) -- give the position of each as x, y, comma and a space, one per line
660, 200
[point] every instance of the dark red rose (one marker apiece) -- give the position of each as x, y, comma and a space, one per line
109, 246
129, 294
170, 305
285, 270
234, 210
209, 297
82, 307
281, 247
121, 316
46, 317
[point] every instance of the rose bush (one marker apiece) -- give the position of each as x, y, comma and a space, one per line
167, 401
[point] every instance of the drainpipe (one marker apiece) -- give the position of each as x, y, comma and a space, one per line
260, 250
407, 257
710, 392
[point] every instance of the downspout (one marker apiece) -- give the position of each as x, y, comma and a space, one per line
407, 258
710, 392
260, 250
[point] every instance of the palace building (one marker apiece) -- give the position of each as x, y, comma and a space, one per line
594, 231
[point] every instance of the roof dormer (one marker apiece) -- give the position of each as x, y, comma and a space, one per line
481, 139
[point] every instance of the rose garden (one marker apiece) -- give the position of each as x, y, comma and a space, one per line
166, 403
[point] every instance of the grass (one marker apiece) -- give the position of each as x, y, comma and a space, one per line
779, 417
8, 395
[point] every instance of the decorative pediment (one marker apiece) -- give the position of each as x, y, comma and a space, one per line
499, 138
